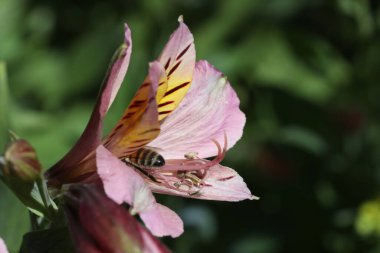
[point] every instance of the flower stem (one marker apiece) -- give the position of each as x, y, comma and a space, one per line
4, 110
41, 185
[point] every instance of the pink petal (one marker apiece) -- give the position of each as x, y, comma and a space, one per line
91, 136
221, 183
123, 184
209, 110
162, 221
178, 59
3, 248
177, 48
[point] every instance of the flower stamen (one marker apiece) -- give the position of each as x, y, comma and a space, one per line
183, 175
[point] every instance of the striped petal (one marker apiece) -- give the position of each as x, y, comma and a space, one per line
209, 111
91, 136
139, 124
178, 59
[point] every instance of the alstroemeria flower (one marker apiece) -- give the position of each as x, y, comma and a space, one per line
187, 111
99, 225
3, 247
193, 124
80, 164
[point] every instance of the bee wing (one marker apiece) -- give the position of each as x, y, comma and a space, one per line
139, 124
156, 149
178, 59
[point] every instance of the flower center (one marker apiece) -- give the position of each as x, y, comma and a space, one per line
183, 175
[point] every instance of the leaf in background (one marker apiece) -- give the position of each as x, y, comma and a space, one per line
256, 243
14, 219
52, 135
229, 15
303, 138
360, 11
44, 76
11, 43
274, 63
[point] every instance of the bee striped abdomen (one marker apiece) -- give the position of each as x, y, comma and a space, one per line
145, 158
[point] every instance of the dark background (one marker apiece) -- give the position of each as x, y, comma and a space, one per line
307, 73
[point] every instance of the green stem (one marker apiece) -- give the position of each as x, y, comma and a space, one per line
44, 196
4, 107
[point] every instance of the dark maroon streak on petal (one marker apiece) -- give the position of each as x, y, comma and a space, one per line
176, 88
167, 64
183, 52
174, 68
166, 103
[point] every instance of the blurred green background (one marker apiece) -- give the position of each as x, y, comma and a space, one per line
308, 76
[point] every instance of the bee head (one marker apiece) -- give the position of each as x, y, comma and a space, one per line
159, 161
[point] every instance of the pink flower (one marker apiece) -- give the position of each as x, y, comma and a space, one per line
192, 123
183, 113
105, 227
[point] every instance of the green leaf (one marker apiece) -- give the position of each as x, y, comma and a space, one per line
274, 62
303, 138
14, 219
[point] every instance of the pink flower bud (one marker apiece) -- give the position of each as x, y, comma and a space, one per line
21, 161
100, 225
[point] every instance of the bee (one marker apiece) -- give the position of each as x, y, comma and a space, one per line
145, 158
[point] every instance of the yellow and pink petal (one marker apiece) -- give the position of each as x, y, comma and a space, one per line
209, 111
178, 59
139, 125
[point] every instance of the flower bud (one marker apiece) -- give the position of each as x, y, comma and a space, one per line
98, 224
21, 161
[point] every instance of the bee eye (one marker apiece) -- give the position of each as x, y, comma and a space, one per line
160, 161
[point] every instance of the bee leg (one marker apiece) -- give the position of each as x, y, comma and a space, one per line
147, 174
